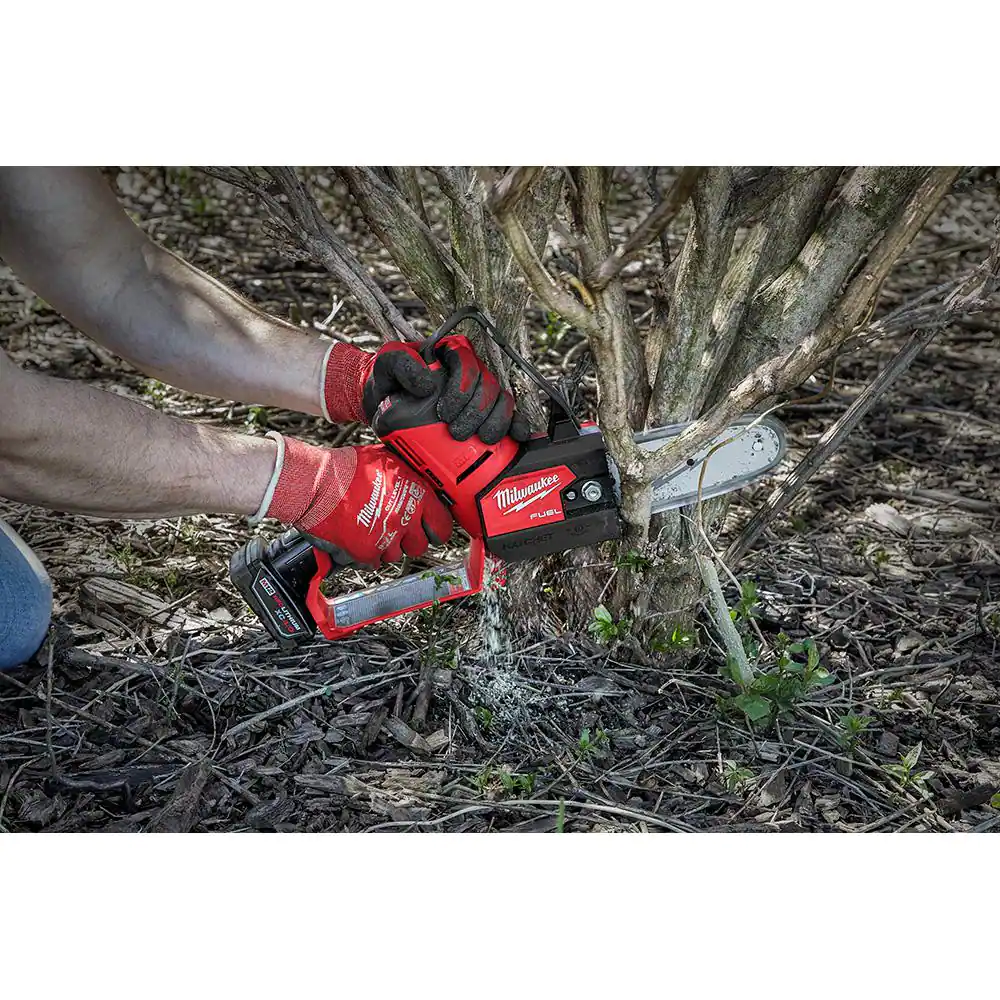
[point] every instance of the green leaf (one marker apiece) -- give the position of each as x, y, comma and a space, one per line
601, 614
995, 801
911, 758
813, 654
753, 706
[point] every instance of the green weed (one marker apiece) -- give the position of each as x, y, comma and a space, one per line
735, 777
256, 417
588, 744
154, 390
744, 610
906, 773
634, 560
604, 626
852, 728
775, 694
503, 779
679, 638
555, 329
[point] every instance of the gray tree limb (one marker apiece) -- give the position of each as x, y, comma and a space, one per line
677, 349
408, 184
790, 368
785, 310
647, 230
433, 274
511, 188
611, 301
770, 246
304, 227
756, 192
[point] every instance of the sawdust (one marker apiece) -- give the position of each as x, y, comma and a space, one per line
493, 676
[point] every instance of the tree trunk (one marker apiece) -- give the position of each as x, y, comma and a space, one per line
779, 267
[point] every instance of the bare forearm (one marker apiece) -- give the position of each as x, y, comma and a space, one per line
65, 234
67, 446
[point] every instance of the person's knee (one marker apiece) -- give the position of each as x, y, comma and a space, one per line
25, 600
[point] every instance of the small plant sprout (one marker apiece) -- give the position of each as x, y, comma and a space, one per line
555, 329
680, 638
852, 728
256, 416
589, 744
604, 626
748, 601
735, 777
773, 695
633, 560
906, 773
503, 780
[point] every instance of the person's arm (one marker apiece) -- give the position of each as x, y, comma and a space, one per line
67, 446
65, 234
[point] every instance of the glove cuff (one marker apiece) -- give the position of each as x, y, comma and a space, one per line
307, 483
345, 370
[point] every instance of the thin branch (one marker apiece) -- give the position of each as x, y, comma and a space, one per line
723, 620
650, 227
831, 440
511, 188
305, 228
448, 182
432, 272
542, 283
789, 369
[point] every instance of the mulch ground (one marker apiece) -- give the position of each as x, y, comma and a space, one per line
159, 704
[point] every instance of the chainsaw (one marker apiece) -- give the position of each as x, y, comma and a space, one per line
560, 490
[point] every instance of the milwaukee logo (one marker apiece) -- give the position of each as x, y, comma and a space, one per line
369, 514
514, 498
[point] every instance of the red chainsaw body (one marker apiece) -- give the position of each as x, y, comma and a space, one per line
516, 501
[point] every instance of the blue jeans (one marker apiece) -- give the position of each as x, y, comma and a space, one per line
25, 599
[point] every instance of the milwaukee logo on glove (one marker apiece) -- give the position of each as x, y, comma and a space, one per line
369, 514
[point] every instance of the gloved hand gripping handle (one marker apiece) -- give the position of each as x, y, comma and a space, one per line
282, 581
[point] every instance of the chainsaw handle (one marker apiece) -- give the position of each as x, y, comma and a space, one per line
338, 617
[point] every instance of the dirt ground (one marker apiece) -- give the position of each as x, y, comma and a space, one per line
159, 704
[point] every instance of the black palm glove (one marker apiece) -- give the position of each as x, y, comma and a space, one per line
395, 367
472, 401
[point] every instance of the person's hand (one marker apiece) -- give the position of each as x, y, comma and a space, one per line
472, 401
356, 382
361, 504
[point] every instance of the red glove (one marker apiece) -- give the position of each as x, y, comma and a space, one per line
361, 503
356, 381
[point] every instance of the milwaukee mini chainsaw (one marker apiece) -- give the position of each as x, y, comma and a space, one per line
557, 491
